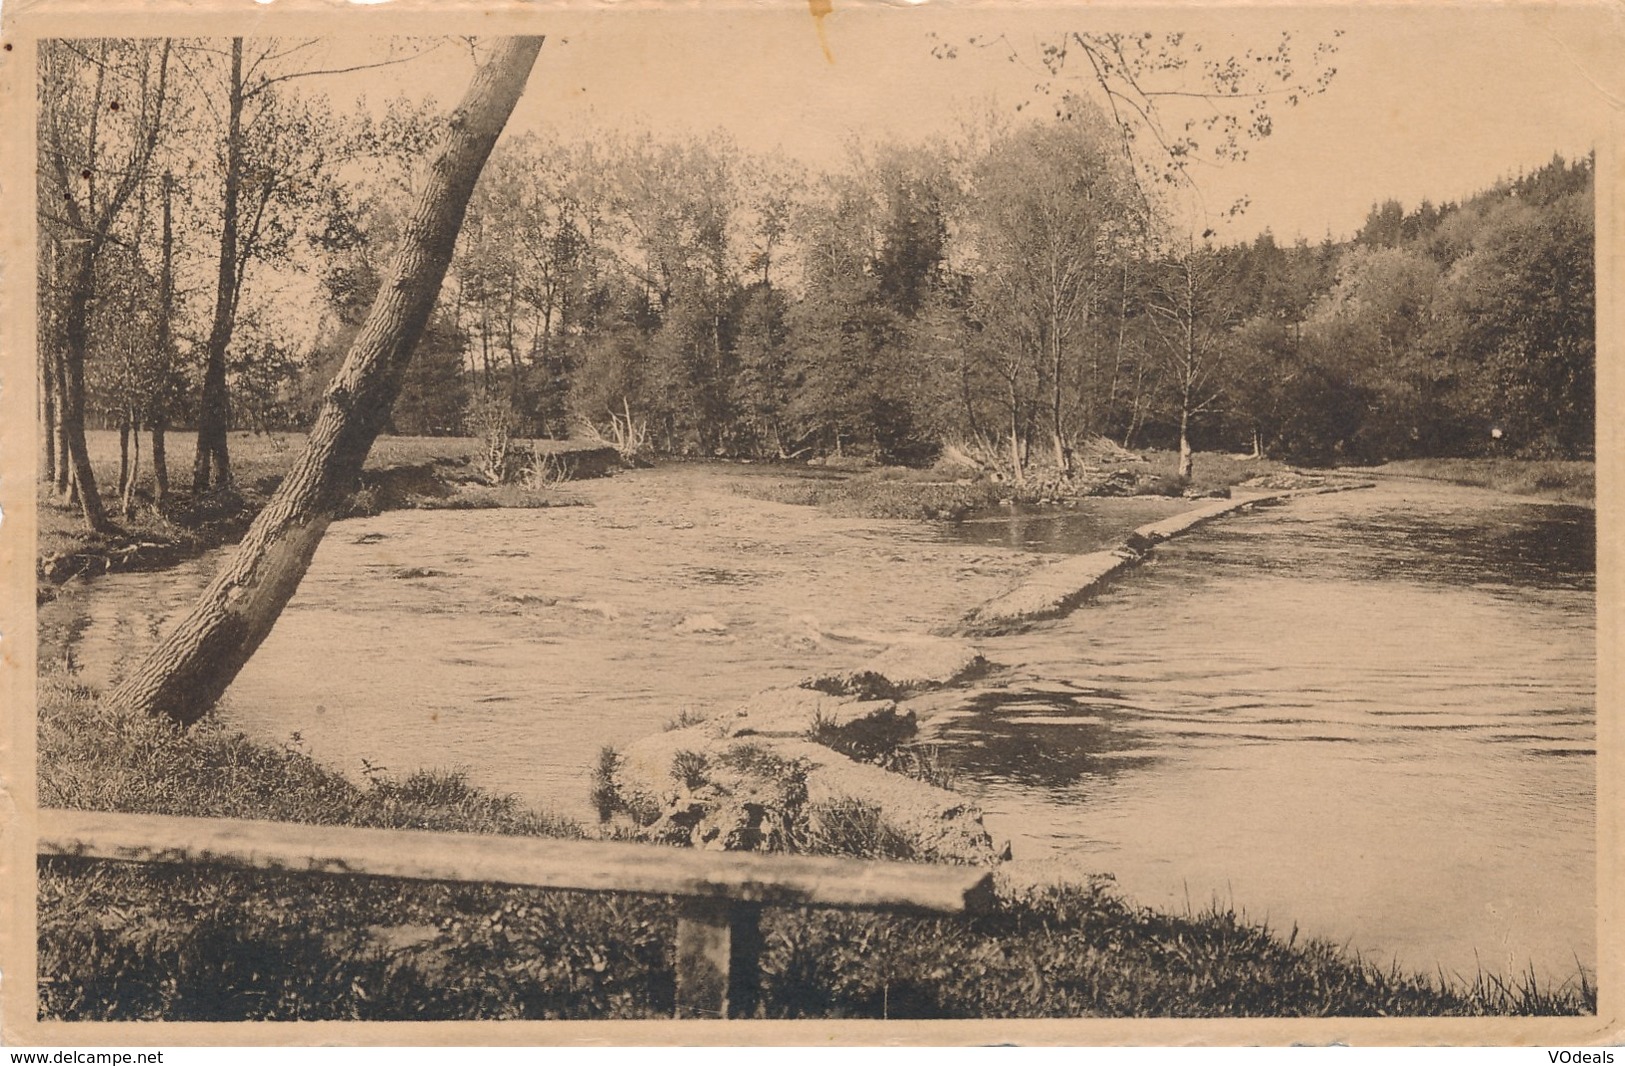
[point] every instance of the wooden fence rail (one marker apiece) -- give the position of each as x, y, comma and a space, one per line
719, 894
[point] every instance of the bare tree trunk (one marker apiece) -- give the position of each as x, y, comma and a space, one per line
160, 464
1136, 412
1190, 369
92, 219
1062, 462
195, 663
1186, 459
165, 343
123, 453
969, 400
135, 467
47, 414
214, 412
1118, 348
1015, 436
64, 462
76, 333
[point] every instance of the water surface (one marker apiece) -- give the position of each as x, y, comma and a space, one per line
1370, 714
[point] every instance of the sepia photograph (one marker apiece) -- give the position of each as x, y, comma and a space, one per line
818, 512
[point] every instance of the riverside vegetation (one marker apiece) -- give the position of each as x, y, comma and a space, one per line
1556, 480
200, 944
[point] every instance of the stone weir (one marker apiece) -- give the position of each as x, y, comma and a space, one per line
816, 765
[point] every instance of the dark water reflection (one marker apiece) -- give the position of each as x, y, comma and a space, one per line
1093, 525
1371, 713
1514, 545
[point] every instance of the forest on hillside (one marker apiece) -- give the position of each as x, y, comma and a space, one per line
213, 232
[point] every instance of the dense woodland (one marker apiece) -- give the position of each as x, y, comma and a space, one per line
213, 231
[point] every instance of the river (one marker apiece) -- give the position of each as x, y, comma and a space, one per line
1368, 714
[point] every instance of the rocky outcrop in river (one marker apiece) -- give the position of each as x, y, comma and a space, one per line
813, 766
793, 762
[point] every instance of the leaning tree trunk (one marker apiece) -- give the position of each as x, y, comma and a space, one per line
197, 661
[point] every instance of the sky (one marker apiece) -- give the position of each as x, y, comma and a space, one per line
1431, 101
1428, 101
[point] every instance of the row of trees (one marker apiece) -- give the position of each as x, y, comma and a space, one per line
213, 233
1462, 329
1015, 287
170, 172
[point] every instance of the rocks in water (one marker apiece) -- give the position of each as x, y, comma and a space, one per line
763, 793
651, 774
746, 797
1179, 523
939, 825
410, 572
755, 779
1138, 543
702, 624
531, 599
799, 712
607, 611
1049, 592
1059, 587
909, 665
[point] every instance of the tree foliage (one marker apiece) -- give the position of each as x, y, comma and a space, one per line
1022, 284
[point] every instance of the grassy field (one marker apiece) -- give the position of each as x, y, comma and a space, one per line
1558, 480
128, 942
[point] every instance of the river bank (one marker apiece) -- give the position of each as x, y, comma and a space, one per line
1555, 480
127, 943
401, 473
439, 473
665, 585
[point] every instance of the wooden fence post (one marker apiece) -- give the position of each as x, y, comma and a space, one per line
719, 944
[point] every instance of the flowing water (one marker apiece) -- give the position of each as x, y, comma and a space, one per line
1370, 714
516, 643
